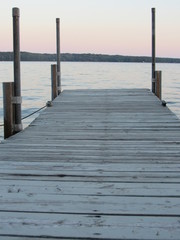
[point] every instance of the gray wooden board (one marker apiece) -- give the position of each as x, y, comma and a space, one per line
96, 160
104, 167
98, 176
90, 204
90, 188
89, 226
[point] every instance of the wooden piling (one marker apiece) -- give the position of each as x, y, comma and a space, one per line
153, 50
17, 77
158, 84
54, 90
58, 55
8, 89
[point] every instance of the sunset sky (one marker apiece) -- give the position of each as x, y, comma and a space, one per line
93, 26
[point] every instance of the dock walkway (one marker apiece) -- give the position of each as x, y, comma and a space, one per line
98, 164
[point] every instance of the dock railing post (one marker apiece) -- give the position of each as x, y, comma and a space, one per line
58, 55
153, 50
158, 84
54, 91
17, 100
8, 108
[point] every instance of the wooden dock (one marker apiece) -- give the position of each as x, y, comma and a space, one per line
98, 164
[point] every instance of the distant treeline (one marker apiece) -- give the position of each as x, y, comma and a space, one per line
87, 57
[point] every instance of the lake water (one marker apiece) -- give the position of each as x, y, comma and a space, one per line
36, 81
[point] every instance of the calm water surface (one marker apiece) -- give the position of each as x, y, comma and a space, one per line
36, 81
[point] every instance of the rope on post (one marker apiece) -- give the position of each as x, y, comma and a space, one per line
34, 112
47, 105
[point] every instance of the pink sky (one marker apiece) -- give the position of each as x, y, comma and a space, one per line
96, 26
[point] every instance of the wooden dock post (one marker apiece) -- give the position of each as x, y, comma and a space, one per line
54, 91
153, 50
158, 84
58, 55
8, 108
17, 100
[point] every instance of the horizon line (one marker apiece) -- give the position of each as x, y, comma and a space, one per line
86, 53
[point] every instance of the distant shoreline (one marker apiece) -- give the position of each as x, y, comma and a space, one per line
84, 57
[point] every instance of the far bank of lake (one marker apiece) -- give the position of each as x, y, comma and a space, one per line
85, 57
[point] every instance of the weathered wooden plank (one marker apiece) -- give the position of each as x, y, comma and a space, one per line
89, 226
98, 176
90, 204
94, 145
90, 167
90, 188
92, 159
94, 151
97, 134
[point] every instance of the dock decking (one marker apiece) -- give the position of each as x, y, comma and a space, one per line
98, 164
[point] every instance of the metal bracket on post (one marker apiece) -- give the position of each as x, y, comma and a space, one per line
16, 100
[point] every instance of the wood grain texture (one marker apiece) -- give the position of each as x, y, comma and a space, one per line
98, 164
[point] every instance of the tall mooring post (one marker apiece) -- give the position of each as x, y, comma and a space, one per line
153, 50
17, 100
58, 55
